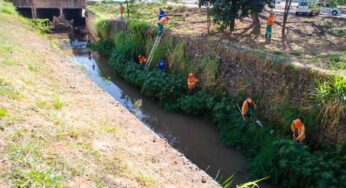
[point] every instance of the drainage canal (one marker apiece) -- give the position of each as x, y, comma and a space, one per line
196, 139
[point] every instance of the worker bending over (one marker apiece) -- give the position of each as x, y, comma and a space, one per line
191, 82
163, 21
248, 110
298, 130
269, 30
161, 65
142, 60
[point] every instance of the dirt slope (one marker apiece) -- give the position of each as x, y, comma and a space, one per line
60, 129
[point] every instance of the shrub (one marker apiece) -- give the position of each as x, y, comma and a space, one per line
104, 47
41, 25
103, 28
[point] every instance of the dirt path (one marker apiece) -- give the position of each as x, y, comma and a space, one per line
59, 129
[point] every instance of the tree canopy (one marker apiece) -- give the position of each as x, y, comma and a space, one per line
225, 12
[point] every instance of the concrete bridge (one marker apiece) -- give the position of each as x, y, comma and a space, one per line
68, 9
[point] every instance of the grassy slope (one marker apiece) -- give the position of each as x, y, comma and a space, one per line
59, 129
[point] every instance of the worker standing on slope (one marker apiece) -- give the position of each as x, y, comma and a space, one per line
161, 65
122, 11
191, 82
161, 14
298, 130
248, 110
269, 30
163, 21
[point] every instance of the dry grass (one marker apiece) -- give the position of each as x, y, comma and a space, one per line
60, 130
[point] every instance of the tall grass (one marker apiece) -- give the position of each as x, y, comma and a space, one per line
103, 28
331, 96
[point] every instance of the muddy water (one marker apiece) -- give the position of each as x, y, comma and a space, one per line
196, 139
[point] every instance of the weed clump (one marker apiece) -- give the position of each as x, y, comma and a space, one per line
58, 104
3, 112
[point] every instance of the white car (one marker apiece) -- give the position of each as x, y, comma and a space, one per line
308, 8
330, 9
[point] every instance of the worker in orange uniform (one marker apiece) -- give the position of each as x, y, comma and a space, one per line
191, 82
248, 110
122, 11
269, 30
142, 60
298, 130
163, 21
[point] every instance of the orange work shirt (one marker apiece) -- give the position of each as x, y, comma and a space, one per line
191, 82
245, 107
271, 20
142, 59
298, 125
163, 20
122, 10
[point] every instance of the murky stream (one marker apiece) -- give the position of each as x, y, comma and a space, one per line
196, 139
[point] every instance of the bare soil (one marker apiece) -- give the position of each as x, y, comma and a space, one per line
309, 40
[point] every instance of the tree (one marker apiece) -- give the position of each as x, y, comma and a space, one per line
286, 12
254, 8
207, 4
225, 12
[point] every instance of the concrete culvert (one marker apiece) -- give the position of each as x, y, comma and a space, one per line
26, 12
47, 13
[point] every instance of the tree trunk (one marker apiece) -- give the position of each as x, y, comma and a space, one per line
127, 7
286, 12
208, 18
256, 23
232, 25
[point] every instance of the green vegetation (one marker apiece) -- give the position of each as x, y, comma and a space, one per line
331, 97
225, 12
3, 112
58, 104
7, 8
28, 172
271, 153
40, 25
7, 90
297, 53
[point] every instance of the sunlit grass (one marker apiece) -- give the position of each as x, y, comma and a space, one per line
3, 112
58, 104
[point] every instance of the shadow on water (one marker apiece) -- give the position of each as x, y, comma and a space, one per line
196, 139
